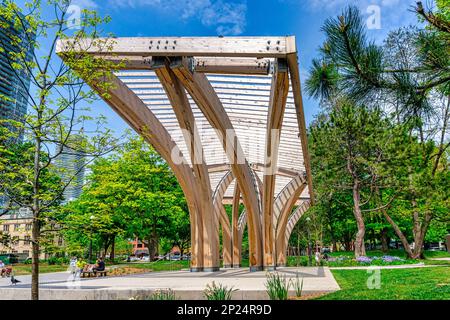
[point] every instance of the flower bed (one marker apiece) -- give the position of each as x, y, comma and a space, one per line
122, 271
347, 261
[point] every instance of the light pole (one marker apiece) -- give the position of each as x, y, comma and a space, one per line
308, 219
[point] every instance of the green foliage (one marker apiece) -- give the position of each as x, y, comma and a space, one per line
352, 65
297, 284
277, 286
218, 292
168, 294
132, 193
384, 127
396, 284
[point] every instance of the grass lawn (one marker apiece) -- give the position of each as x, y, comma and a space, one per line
25, 269
162, 265
437, 254
396, 284
437, 262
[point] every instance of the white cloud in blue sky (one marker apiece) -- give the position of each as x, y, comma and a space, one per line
86, 4
394, 13
227, 17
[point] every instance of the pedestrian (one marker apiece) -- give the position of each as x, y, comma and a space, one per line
73, 266
317, 258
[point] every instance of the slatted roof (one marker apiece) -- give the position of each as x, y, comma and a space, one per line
246, 101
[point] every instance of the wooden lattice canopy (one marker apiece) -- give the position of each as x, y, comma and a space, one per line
227, 116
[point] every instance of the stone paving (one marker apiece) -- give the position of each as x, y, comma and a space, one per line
187, 285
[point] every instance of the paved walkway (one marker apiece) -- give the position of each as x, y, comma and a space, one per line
187, 285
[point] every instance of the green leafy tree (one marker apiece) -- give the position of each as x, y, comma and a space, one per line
133, 193
57, 103
407, 78
345, 148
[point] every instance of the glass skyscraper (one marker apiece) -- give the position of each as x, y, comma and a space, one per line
14, 82
71, 169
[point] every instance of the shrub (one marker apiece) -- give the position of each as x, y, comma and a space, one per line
277, 286
218, 292
298, 286
168, 294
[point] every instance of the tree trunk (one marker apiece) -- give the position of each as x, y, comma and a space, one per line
399, 234
113, 248
384, 240
360, 249
153, 243
35, 232
35, 261
419, 236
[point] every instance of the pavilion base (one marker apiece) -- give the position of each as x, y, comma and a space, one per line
196, 269
227, 266
256, 268
236, 265
270, 268
211, 269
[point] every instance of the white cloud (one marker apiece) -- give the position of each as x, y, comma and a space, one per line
228, 18
85, 4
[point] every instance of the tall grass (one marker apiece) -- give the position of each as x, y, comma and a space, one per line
168, 294
218, 292
277, 286
298, 286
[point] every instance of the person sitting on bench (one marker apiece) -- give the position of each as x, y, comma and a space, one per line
100, 266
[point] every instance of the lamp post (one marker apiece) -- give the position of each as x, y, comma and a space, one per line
308, 219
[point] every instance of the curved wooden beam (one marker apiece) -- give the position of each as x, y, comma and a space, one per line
277, 103
183, 111
208, 102
293, 220
285, 196
282, 244
292, 192
131, 108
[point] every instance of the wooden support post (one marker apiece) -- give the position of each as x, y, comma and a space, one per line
226, 239
183, 111
206, 99
277, 104
221, 214
237, 246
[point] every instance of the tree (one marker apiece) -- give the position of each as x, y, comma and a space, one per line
409, 79
56, 104
135, 194
345, 147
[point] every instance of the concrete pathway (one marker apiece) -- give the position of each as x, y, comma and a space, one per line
187, 285
43, 279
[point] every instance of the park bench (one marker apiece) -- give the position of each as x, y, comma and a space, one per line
87, 272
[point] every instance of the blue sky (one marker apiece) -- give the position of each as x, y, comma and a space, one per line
302, 18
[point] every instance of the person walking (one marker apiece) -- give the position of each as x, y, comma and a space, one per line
73, 267
317, 258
